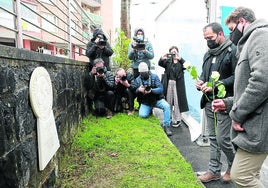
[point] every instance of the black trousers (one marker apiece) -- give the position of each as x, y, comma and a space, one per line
120, 96
103, 101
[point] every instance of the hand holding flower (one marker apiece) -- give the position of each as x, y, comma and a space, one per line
218, 105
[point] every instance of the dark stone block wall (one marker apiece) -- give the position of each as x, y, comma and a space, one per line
18, 125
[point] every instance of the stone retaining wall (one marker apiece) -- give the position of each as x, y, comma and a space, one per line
18, 125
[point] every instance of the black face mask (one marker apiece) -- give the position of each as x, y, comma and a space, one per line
212, 43
144, 75
236, 35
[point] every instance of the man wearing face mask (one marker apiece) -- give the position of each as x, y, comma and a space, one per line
139, 51
249, 106
220, 57
149, 92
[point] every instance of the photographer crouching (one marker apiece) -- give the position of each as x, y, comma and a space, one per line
99, 85
98, 47
149, 92
124, 92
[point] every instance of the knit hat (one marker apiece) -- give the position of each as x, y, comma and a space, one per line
143, 67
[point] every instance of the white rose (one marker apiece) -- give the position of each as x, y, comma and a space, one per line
187, 65
215, 75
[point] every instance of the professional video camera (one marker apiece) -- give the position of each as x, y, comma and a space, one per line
101, 41
100, 70
140, 44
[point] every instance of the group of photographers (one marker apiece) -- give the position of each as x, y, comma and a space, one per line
108, 93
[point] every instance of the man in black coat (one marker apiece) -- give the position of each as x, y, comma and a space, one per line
98, 47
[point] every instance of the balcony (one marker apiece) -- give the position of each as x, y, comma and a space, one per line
92, 3
91, 19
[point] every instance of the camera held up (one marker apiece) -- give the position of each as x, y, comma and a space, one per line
100, 70
171, 56
123, 78
101, 40
147, 88
140, 44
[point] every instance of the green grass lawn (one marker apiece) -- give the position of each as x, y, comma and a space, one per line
124, 151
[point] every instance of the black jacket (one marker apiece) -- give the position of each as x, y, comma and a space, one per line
225, 64
93, 51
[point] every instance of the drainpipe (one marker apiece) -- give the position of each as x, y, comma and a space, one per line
19, 39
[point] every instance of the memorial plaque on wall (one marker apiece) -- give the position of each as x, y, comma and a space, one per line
41, 97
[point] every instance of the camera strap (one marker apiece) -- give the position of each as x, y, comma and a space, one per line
149, 81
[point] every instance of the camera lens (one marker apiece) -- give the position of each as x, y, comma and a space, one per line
100, 70
123, 78
147, 88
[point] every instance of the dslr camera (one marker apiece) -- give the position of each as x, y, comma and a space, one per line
101, 41
123, 78
147, 88
140, 44
100, 70
171, 56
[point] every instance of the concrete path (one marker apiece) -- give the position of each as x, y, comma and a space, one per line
196, 152
197, 156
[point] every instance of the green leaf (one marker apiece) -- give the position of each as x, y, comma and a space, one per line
209, 84
221, 91
193, 73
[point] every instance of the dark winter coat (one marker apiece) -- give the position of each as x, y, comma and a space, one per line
180, 83
93, 51
225, 64
97, 86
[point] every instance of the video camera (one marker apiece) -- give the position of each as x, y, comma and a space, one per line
140, 44
101, 41
100, 70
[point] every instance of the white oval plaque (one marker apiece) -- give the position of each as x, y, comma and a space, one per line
41, 97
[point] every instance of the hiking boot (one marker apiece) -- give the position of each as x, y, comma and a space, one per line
208, 176
227, 176
167, 130
131, 112
109, 114
176, 124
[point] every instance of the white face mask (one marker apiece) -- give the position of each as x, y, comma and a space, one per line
140, 37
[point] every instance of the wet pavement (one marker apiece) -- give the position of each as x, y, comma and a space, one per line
197, 156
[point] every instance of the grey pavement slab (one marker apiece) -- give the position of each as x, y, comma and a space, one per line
197, 156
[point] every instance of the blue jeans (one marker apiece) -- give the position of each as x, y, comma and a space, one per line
145, 110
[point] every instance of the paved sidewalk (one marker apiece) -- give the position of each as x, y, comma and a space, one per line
196, 155
197, 152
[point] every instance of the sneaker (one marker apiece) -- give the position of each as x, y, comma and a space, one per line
131, 112
176, 124
227, 176
167, 130
207, 177
109, 114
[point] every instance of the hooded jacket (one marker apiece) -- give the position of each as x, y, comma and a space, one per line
138, 56
93, 51
250, 101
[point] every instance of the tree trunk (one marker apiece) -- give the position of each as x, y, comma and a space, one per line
125, 12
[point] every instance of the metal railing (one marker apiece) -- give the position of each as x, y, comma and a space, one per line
57, 24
